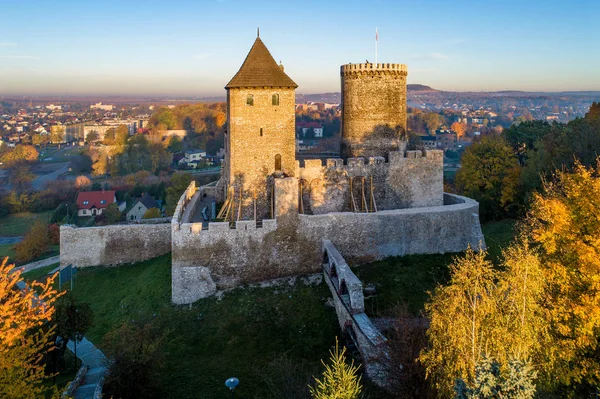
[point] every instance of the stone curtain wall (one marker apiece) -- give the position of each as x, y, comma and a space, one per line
205, 261
113, 245
410, 179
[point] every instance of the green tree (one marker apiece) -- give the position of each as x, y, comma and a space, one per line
179, 182
175, 144
340, 380
491, 383
137, 354
92, 136
113, 214
73, 318
152, 213
490, 174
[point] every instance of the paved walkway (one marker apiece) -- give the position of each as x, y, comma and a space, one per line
95, 361
10, 240
38, 264
39, 183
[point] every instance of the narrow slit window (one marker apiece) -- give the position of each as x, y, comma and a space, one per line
275, 99
250, 99
277, 162
261, 132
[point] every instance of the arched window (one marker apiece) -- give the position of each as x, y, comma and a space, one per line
275, 99
250, 99
277, 162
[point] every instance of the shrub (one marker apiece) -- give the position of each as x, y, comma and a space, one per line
34, 244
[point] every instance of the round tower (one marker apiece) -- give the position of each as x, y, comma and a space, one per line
373, 108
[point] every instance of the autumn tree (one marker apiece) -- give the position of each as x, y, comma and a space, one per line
340, 380
459, 128
82, 182
109, 136
564, 223
20, 177
34, 244
57, 134
490, 174
40, 139
25, 334
460, 313
92, 136
19, 154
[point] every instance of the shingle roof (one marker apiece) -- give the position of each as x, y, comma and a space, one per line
260, 70
98, 199
148, 201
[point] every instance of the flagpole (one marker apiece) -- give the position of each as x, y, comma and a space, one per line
376, 42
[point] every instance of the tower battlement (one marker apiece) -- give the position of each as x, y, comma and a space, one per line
392, 69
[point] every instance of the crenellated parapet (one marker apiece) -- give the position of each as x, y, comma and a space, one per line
395, 158
349, 70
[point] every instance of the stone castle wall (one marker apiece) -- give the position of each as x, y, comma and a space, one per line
409, 179
373, 108
225, 256
113, 245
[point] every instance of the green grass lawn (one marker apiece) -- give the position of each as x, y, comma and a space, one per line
37, 274
7, 250
249, 333
54, 155
406, 280
497, 236
19, 223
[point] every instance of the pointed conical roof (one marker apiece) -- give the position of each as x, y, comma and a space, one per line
260, 70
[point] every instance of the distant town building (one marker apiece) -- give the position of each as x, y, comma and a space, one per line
103, 107
53, 107
192, 158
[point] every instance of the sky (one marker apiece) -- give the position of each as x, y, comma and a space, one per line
193, 48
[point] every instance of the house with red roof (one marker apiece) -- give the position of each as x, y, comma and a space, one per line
92, 203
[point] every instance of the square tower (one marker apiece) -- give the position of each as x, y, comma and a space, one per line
260, 139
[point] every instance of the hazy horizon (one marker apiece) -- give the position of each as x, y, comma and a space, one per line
192, 49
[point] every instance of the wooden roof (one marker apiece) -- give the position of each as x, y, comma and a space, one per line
260, 70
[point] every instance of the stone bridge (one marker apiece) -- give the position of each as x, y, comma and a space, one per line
347, 292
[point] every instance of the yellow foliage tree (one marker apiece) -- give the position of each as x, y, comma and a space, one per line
25, 334
564, 221
459, 128
461, 314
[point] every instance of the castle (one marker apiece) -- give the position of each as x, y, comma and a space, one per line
379, 200
375, 173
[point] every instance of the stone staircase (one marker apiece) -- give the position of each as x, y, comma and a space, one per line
95, 360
